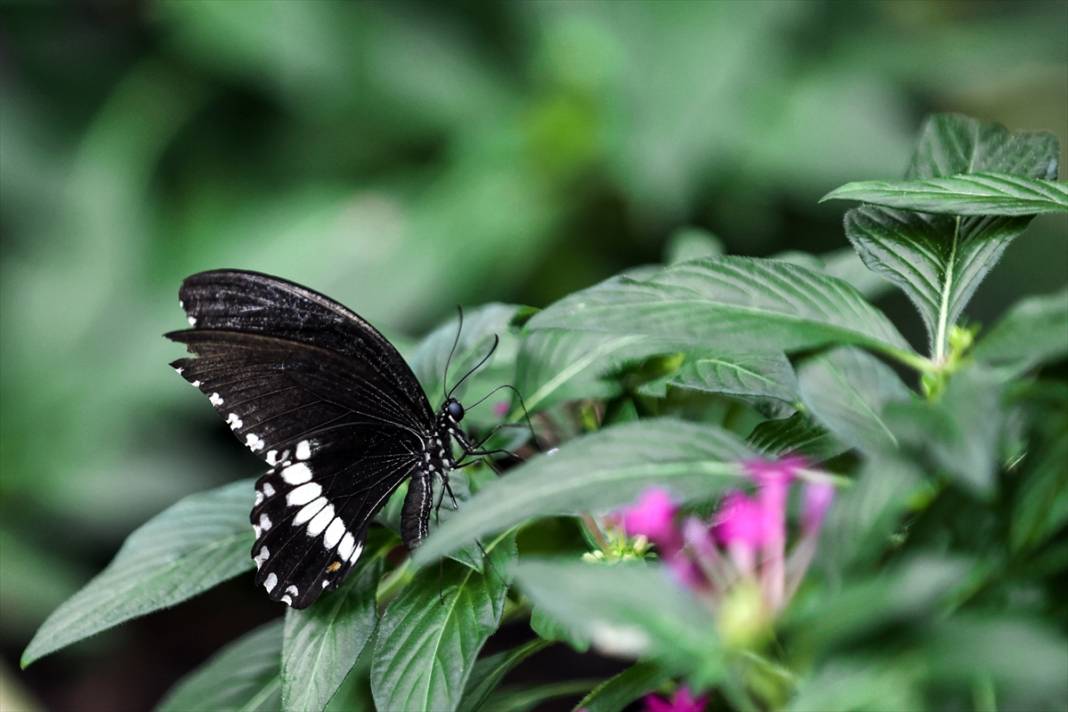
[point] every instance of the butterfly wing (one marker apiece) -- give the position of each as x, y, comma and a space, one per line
341, 427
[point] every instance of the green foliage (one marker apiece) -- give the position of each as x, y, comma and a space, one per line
969, 194
202, 541
935, 579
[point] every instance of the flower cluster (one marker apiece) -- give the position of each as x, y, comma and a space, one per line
738, 561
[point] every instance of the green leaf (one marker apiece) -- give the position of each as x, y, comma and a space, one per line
845, 685
488, 673
244, 676
556, 365
480, 325
523, 699
548, 628
431, 633
966, 194
1034, 331
864, 516
846, 390
755, 375
795, 435
754, 305
629, 609
323, 642
599, 471
958, 434
620, 690
938, 261
1040, 506
199, 542
968, 645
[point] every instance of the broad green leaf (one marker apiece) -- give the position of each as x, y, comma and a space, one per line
912, 592
1033, 332
966, 194
846, 265
795, 435
755, 375
629, 609
597, 472
431, 633
846, 390
863, 518
752, 305
1040, 506
548, 628
556, 365
849, 684
615, 693
958, 434
488, 673
524, 699
1019, 654
323, 642
199, 542
244, 676
938, 260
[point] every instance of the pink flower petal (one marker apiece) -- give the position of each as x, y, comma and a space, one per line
739, 521
653, 516
818, 497
501, 409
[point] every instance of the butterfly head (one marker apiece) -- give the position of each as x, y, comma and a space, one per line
453, 409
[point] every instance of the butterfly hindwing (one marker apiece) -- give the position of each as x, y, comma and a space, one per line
311, 514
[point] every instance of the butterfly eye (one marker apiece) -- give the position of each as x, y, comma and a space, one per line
455, 409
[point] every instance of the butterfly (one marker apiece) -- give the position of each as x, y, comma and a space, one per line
331, 407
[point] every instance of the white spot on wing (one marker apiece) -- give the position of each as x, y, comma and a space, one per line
253, 442
265, 522
192, 321
304, 494
297, 474
333, 533
303, 450
215, 399
292, 590
287, 600
259, 498
233, 419
320, 520
356, 553
348, 543
261, 557
268, 489
326, 582
309, 511
195, 384
272, 457
270, 582
256, 530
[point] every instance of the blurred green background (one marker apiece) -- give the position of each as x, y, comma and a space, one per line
404, 158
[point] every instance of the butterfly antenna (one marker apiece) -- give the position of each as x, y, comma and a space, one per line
496, 341
455, 343
526, 413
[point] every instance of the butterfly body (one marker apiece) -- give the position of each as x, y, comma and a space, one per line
333, 410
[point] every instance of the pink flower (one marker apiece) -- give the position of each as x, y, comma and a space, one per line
653, 516
773, 478
682, 701
501, 409
817, 500
739, 520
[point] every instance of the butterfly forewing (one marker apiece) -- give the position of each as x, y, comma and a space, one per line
324, 399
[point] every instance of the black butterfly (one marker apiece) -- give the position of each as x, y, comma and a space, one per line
331, 406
